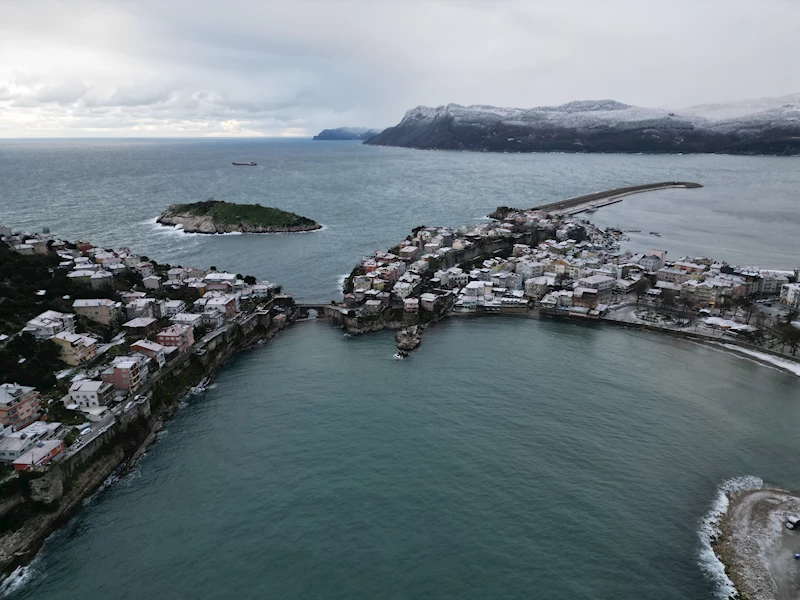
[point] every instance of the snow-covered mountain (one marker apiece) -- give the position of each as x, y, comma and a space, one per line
742, 108
766, 126
346, 133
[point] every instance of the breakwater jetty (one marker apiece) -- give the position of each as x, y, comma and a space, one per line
597, 199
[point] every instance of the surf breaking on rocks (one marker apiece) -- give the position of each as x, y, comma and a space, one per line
709, 532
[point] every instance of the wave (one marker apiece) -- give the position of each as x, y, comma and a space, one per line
113, 478
18, 578
709, 531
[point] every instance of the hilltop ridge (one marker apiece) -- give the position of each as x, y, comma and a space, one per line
216, 216
763, 126
346, 133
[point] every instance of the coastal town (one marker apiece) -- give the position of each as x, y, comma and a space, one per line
128, 324
99, 345
135, 321
558, 264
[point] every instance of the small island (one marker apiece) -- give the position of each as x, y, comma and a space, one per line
216, 216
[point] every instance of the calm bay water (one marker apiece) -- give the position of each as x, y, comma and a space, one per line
508, 458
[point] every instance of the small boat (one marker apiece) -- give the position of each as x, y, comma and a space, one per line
591, 209
247, 164
655, 233
400, 355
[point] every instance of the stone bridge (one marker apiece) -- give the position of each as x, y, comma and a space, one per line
334, 312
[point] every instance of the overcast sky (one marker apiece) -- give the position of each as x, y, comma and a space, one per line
292, 67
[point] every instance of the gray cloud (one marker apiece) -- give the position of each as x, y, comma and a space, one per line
210, 68
65, 92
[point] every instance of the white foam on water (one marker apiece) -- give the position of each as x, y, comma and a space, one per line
18, 578
709, 531
109, 481
783, 363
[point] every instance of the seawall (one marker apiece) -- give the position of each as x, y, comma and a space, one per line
572, 203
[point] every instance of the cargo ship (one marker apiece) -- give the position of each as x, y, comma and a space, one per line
247, 164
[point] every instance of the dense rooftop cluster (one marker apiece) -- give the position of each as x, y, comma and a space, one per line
113, 341
553, 264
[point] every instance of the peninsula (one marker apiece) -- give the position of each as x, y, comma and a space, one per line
548, 261
758, 544
216, 216
766, 126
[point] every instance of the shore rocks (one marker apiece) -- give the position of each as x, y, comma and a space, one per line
409, 339
755, 546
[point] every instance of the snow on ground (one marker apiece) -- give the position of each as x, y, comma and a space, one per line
783, 363
733, 325
741, 108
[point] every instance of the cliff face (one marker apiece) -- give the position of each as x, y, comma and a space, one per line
765, 127
192, 223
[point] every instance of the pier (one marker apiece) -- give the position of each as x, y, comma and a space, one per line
579, 204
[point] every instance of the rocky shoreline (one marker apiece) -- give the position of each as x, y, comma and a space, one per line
206, 224
757, 550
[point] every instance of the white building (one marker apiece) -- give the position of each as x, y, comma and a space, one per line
402, 289
263, 289
152, 282
601, 283
536, 287
192, 319
527, 269
16, 443
790, 294
650, 262
88, 393
173, 307
49, 323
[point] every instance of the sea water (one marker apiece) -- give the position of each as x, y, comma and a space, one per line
507, 458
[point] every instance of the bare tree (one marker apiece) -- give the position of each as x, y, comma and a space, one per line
641, 287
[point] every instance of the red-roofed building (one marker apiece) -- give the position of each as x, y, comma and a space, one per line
178, 336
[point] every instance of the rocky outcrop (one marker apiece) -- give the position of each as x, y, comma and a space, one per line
48, 490
206, 224
409, 339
